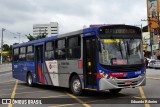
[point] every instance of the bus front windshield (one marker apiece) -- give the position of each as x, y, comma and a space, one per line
121, 52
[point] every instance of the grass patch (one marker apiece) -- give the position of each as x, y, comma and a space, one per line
6, 62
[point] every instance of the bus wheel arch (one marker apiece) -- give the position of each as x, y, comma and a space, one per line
29, 78
75, 84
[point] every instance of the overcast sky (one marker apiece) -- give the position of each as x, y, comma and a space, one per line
20, 15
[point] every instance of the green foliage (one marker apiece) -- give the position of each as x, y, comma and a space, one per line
10, 53
31, 38
6, 47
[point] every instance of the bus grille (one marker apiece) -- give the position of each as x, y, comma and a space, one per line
124, 68
127, 77
122, 84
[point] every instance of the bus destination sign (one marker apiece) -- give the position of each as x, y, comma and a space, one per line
118, 31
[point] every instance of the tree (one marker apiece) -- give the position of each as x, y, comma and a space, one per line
15, 43
40, 36
31, 38
10, 47
10, 53
6, 47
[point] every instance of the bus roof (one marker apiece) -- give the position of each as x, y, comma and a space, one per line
35, 41
85, 30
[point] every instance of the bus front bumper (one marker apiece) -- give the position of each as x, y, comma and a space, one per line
107, 84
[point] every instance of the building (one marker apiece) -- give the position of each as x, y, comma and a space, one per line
152, 42
147, 46
45, 29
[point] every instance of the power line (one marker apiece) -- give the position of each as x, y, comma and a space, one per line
9, 35
17, 34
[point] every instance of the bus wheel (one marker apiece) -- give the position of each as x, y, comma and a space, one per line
29, 79
76, 85
114, 91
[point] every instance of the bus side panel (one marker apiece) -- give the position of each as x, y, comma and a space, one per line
57, 73
66, 68
40, 72
18, 72
60, 72
29, 67
52, 75
47, 75
15, 70
21, 71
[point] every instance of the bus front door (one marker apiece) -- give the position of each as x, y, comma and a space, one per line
89, 54
39, 63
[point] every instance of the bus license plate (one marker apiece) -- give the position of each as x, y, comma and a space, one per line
128, 82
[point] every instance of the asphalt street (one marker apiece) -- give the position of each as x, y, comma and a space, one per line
5, 67
11, 88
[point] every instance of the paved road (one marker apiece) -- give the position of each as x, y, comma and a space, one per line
11, 88
5, 67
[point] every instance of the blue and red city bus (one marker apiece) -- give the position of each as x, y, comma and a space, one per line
106, 57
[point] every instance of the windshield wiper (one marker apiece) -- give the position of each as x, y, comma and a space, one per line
126, 49
120, 49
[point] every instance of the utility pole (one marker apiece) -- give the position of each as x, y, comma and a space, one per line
2, 45
151, 35
151, 42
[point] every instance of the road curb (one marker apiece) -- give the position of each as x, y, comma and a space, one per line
154, 78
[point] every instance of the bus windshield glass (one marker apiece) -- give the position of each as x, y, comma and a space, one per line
120, 52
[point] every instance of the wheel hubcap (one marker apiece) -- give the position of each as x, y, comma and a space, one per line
30, 79
76, 85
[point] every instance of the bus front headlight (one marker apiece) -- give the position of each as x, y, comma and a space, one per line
105, 75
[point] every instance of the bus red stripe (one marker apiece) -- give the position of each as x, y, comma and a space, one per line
99, 76
40, 74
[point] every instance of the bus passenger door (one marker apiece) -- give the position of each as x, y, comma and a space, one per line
39, 63
89, 55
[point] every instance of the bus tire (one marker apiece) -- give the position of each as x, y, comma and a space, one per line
29, 79
76, 85
115, 91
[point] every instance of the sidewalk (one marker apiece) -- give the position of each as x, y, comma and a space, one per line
153, 73
5, 67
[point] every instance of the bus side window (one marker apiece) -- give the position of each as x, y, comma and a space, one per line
16, 54
49, 52
60, 51
74, 47
22, 55
30, 54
